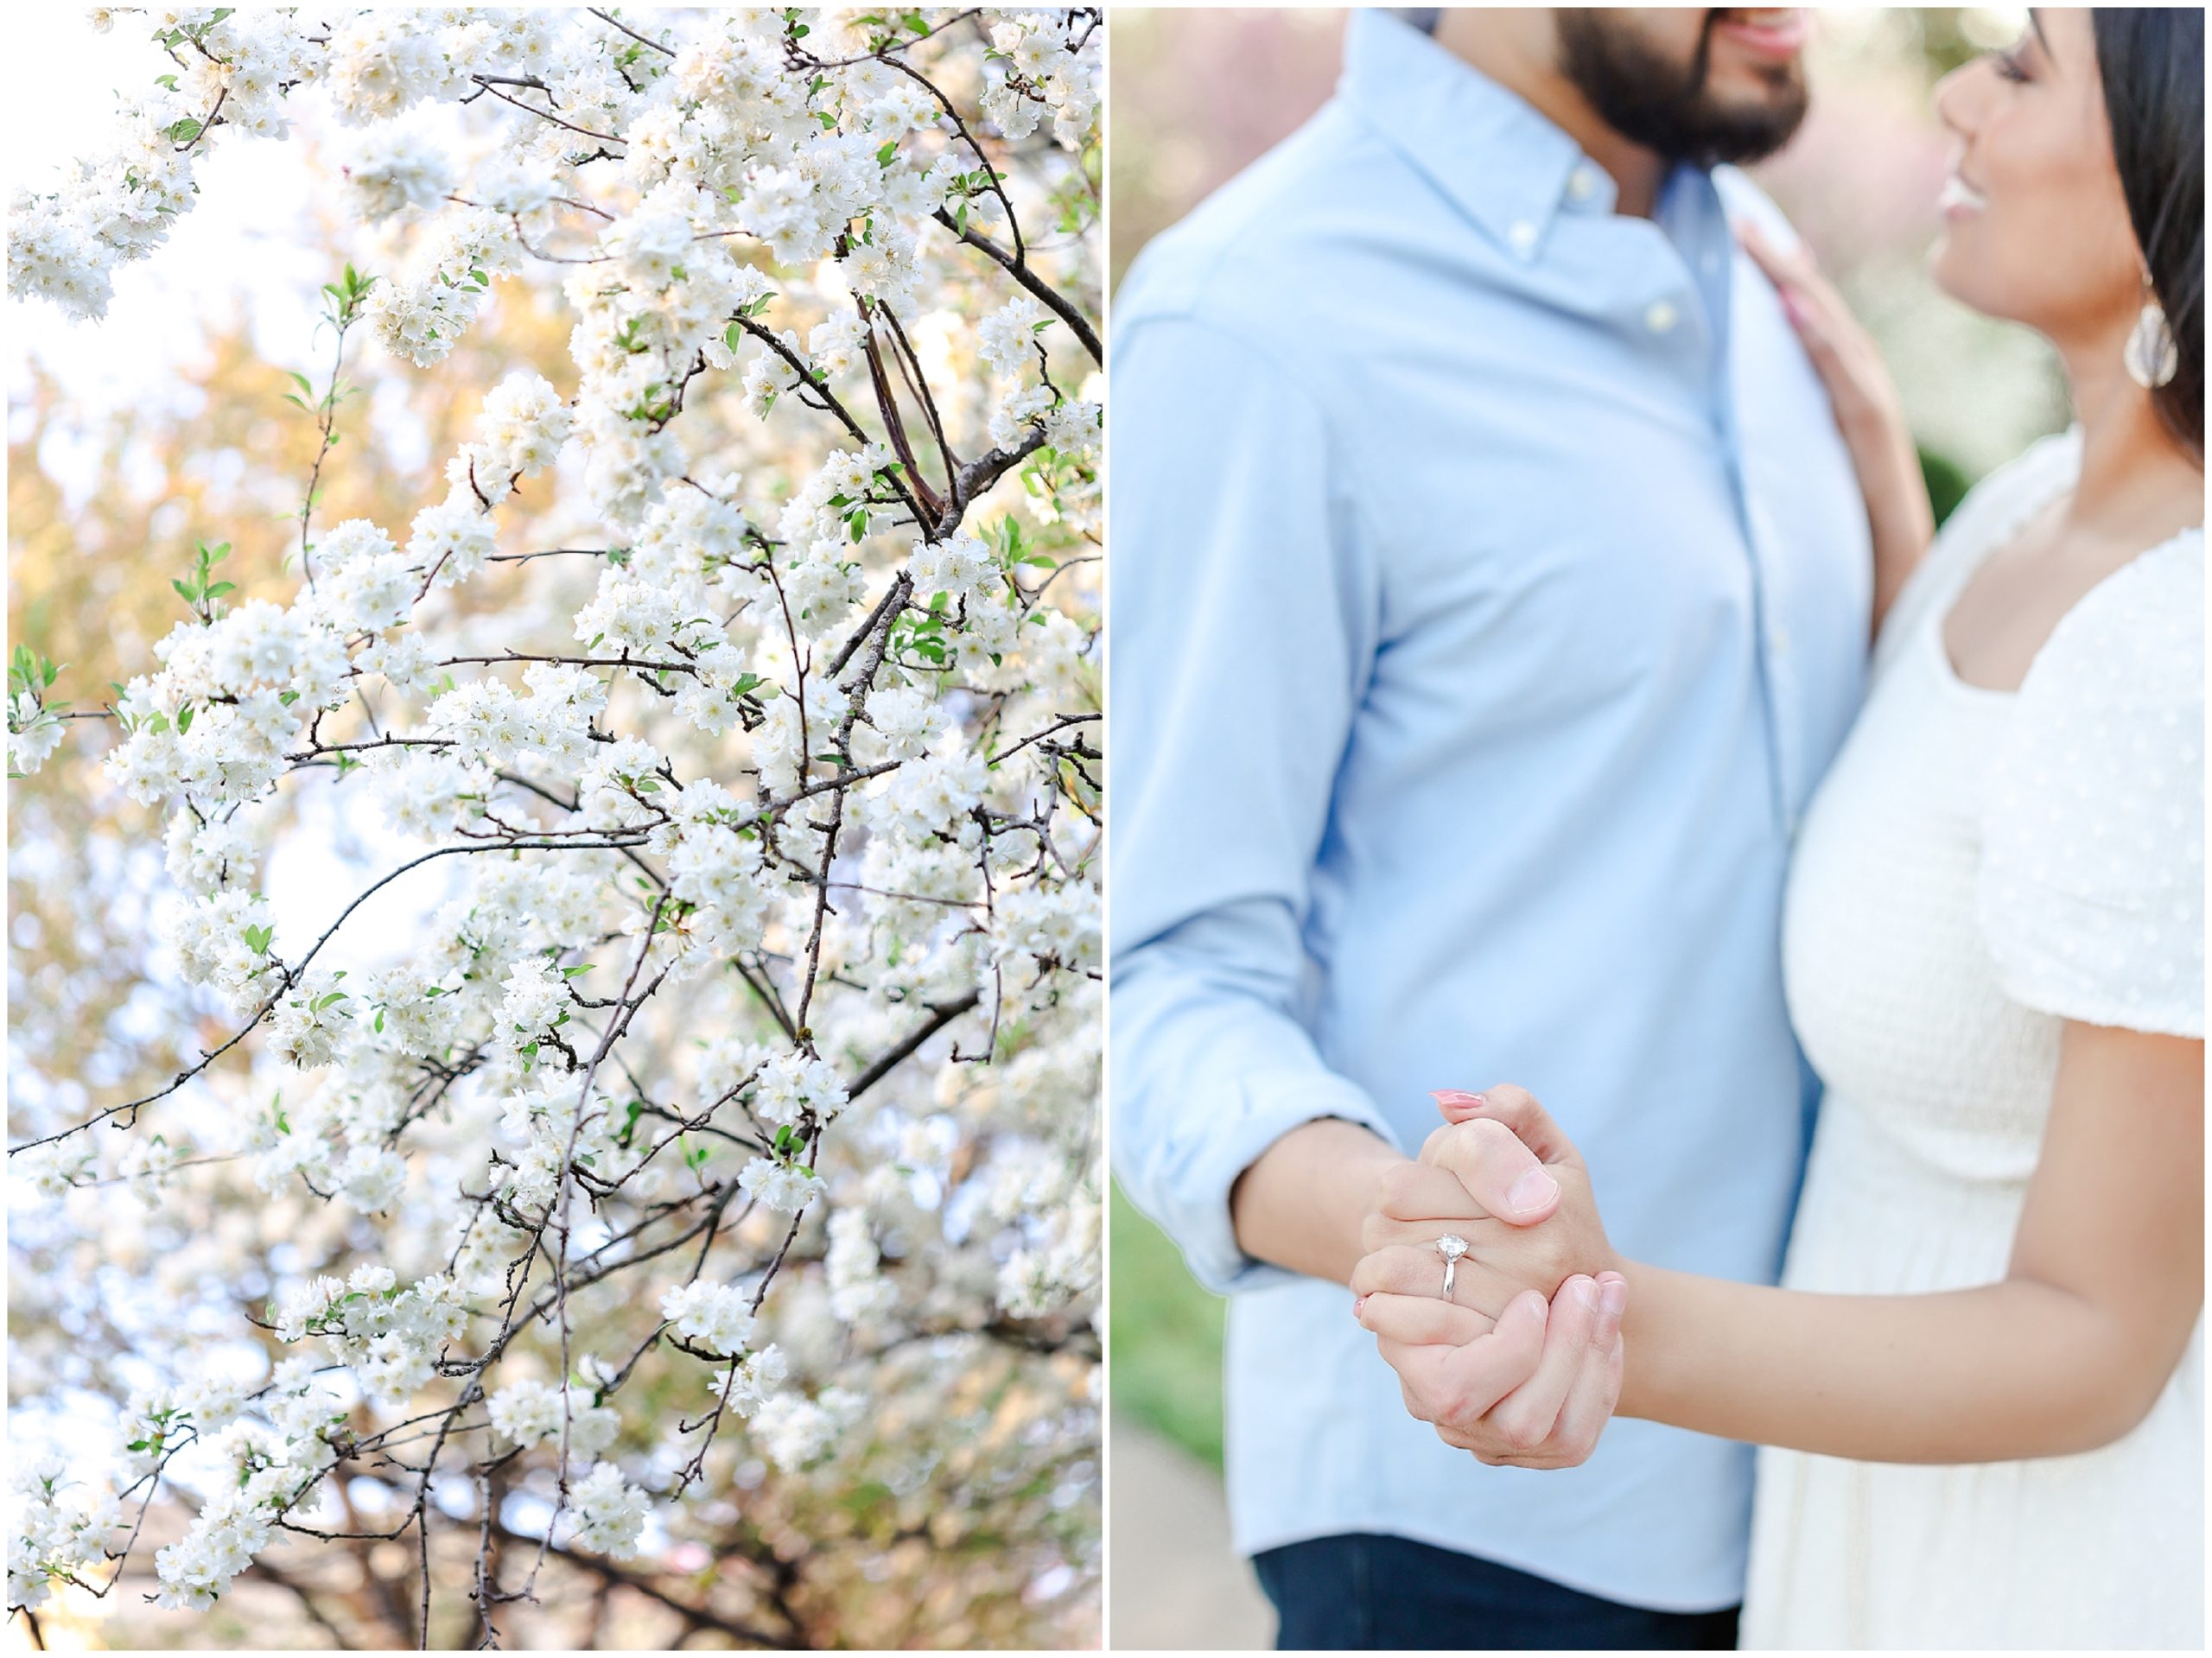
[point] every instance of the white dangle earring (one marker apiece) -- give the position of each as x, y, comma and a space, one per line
2151, 355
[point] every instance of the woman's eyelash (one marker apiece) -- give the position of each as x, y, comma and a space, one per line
2009, 65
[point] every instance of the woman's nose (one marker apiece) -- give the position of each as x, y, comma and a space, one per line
1955, 101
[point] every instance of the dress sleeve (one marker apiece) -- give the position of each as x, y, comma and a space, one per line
2092, 888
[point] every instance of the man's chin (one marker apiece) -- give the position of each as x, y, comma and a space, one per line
1747, 127
1711, 111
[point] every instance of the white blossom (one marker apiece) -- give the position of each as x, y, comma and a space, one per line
778, 1185
610, 1513
717, 1317
392, 168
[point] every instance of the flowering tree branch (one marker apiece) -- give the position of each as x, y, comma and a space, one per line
810, 794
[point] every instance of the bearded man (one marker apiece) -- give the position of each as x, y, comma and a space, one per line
1490, 588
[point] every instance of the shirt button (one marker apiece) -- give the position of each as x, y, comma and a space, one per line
1778, 638
1582, 184
1522, 236
1661, 317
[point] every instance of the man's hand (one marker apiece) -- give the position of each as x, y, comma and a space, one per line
1534, 1390
1522, 1364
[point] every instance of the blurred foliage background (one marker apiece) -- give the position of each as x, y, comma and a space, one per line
1198, 94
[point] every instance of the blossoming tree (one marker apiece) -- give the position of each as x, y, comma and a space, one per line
726, 1139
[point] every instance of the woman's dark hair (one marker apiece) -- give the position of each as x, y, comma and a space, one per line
2151, 63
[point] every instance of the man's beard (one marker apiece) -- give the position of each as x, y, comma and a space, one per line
1666, 107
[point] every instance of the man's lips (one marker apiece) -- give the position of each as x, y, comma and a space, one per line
1775, 34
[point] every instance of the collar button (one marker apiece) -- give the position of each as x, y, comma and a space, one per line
1660, 316
1522, 236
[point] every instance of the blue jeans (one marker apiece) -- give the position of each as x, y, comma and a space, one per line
1363, 1592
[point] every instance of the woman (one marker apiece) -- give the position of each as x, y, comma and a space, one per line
1980, 1385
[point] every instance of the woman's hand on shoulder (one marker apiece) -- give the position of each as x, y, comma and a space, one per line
1868, 411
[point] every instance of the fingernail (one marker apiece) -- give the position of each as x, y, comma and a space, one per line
1615, 1292
1454, 1096
1358, 1301
1586, 1292
1532, 1191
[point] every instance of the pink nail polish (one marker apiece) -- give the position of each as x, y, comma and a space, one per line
1455, 1096
1358, 1301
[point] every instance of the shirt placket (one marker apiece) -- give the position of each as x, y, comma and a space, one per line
1698, 227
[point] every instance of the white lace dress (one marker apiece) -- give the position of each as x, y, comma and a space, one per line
1978, 867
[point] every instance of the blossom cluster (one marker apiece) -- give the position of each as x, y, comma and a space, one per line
767, 823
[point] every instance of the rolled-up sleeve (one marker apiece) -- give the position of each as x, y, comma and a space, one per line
1244, 613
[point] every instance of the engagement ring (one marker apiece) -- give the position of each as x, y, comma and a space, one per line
1451, 1247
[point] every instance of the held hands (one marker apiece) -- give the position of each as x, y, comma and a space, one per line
1522, 1364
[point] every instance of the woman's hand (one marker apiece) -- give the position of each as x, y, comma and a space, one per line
1868, 412
1501, 1175
1522, 1364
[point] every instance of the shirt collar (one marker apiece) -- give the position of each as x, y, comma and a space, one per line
1507, 166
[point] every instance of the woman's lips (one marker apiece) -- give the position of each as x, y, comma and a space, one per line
1958, 198
1777, 34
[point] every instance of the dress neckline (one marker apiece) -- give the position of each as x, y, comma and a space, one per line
2045, 490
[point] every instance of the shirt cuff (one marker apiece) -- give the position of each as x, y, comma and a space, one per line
1271, 1105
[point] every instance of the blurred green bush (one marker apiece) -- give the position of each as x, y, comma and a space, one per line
1165, 1334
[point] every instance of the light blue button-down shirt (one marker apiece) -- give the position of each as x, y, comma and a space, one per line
1490, 591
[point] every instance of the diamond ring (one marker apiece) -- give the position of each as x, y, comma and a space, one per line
1451, 1247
